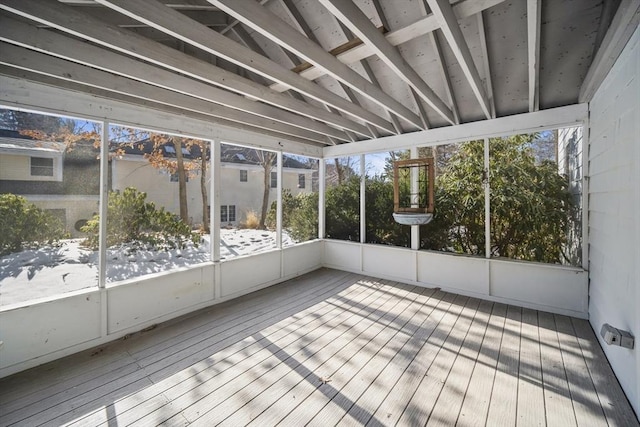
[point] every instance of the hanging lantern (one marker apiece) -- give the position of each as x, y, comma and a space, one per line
413, 198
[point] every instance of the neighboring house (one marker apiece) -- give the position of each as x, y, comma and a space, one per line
67, 184
242, 178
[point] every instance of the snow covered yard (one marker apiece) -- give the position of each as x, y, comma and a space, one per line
37, 273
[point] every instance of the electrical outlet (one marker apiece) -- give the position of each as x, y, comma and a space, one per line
615, 336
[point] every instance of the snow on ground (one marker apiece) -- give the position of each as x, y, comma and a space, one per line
53, 270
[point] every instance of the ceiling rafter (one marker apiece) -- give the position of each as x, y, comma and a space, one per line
249, 42
486, 67
71, 21
171, 22
274, 28
416, 99
212, 19
452, 32
420, 27
29, 60
198, 5
297, 18
359, 24
370, 75
65, 47
439, 57
235, 22
76, 95
624, 23
534, 11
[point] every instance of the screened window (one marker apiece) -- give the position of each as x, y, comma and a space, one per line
274, 179
227, 213
175, 178
41, 166
243, 176
301, 180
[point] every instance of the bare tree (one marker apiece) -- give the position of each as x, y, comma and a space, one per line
265, 159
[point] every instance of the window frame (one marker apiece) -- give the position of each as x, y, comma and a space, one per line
42, 167
173, 177
224, 213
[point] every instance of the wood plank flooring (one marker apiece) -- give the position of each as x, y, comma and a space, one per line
333, 348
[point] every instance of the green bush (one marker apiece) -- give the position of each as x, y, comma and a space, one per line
531, 207
24, 225
131, 219
342, 211
299, 215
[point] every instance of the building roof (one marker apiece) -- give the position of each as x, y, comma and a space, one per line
14, 141
228, 153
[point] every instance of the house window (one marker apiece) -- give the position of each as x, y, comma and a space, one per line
274, 179
301, 180
41, 166
243, 175
175, 178
228, 213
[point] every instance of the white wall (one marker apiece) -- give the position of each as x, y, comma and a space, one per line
614, 212
76, 207
135, 171
33, 333
553, 288
15, 167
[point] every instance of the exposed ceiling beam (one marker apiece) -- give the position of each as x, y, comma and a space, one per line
25, 59
249, 42
297, 18
71, 49
439, 57
171, 22
181, 5
385, 24
216, 19
277, 30
149, 106
534, 12
552, 118
69, 20
235, 22
452, 32
420, 27
622, 27
23, 90
372, 78
371, 75
485, 65
360, 25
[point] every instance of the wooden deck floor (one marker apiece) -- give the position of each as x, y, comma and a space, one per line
334, 348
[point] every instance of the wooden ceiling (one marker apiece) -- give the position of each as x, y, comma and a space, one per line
320, 72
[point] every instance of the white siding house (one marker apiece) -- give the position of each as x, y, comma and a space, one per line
241, 186
41, 172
